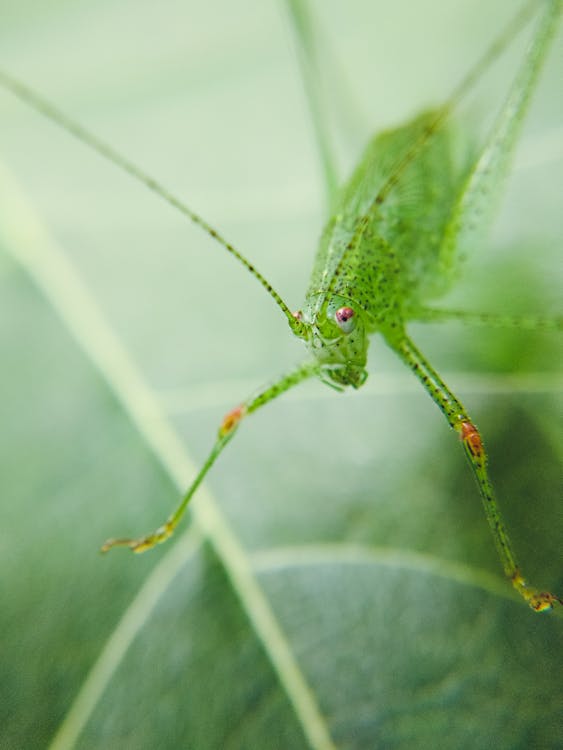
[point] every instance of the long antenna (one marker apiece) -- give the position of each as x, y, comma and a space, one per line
52, 112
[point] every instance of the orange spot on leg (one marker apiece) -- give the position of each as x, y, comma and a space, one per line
231, 420
472, 439
539, 601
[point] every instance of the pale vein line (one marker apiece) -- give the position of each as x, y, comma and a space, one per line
129, 626
307, 555
212, 394
47, 265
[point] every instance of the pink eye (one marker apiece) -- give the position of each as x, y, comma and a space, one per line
344, 317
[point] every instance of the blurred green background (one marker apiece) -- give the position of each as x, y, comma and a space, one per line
357, 514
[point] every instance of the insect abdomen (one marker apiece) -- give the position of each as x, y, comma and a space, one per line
397, 255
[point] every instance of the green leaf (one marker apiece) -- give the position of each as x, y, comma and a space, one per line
337, 585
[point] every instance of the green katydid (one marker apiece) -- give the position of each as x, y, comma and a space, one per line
386, 250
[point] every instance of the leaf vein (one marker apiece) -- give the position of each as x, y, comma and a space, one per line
52, 272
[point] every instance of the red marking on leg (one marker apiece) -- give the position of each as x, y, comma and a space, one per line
539, 601
231, 420
472, 439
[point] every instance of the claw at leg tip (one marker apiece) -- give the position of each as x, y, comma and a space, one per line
144, 543
544, 602
111, 543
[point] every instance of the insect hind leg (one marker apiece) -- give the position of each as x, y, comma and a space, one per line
476, 199
476, 455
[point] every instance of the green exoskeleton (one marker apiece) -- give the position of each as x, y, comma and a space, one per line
392, 244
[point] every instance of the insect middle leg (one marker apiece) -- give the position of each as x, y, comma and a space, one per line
490, 320
476, 454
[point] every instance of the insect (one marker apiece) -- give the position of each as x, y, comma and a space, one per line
390, 247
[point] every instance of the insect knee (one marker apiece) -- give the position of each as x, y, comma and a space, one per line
231, 420
471, 437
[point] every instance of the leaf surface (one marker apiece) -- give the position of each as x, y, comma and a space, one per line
353, 518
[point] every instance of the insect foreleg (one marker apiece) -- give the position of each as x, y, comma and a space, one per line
476, 455
226, 432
